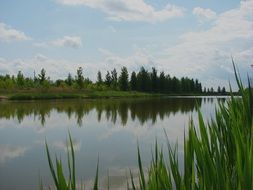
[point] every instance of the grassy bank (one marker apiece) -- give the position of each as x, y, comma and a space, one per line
47, 95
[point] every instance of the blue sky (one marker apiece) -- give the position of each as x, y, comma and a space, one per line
194, 38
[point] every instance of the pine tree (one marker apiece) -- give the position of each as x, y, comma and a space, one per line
133, 81
162, 82
99, 78
223, 91
219, 89
114, 78
108, 79
143, 80
69, 80
123, 79
154, 80
20, 79
42, 76
80, 78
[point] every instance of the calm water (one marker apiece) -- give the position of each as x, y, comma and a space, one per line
108, 129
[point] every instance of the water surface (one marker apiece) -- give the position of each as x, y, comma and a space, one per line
108, 129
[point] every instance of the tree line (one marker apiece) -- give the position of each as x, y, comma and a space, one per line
145, 81
142, 81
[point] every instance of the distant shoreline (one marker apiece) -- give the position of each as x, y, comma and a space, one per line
51, 95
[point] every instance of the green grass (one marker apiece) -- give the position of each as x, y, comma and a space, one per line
118, 94
74, 95
45, 96
79, 94
218, 154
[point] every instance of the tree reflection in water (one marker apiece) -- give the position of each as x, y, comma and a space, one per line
113, 109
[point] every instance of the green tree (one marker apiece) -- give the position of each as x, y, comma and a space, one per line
79, 77
133, 81
60, 83
168, 84
69, 80
198, 86
114, 78
20, 79
99, 78
162, 82
108, 79
42, 76
223, 91
143, 80
123, 79
219, 89
176, 87
154, 80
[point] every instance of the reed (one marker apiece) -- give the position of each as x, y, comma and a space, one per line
217, 154
60, 181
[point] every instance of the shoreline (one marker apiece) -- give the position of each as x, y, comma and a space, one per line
91, 95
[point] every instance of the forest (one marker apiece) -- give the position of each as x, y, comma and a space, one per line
141, 81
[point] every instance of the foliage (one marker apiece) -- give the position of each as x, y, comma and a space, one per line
80, 78
123, 79
108, 79
99, 78
142, 81
42, 76
20, 79
133, 81
69, 80
114, 77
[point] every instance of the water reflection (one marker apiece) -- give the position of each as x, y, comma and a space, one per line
10, 151
22, 137
140, 109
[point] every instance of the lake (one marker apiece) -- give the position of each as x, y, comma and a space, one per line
106, 128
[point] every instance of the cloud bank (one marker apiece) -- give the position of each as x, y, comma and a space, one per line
9, 152
134, 10
74, 42
68, 41
8, 34
204, 14
206, 53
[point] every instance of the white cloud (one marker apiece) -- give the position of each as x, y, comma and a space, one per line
112, 29
39, 57
204, 14
8, 34
68, 41
55, 68
64, 145
203, 54
138, 59
134, 10
9, 152
41, 44
207, 53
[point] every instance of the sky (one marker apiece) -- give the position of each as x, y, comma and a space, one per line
193, 38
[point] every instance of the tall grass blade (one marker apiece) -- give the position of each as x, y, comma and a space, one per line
95, 187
